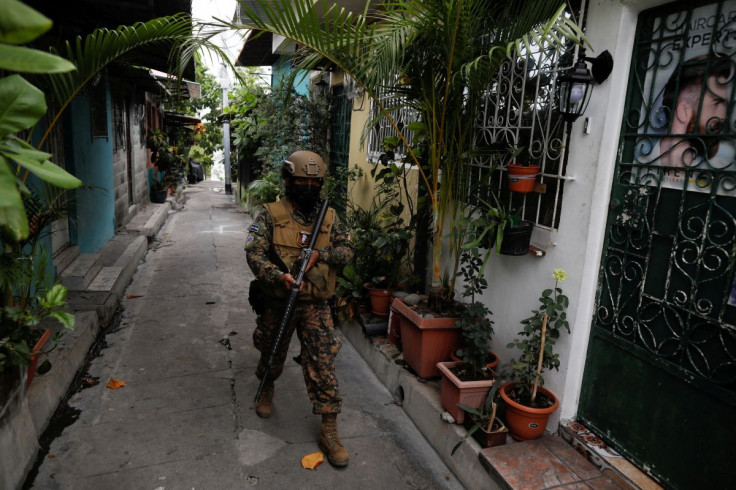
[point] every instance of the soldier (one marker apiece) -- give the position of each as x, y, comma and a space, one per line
273, 250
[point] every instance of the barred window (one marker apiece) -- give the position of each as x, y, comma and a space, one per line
98, 103
120, 133
519, 111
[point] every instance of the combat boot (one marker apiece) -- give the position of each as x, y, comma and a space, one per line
264, 405
329, 441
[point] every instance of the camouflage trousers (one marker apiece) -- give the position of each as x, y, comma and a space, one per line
319, 347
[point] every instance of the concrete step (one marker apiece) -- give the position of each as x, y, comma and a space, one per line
149, 220
63, 258
79, 274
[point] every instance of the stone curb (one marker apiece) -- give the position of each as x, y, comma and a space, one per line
421, 401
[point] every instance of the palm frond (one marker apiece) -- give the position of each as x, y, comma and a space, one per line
103, 46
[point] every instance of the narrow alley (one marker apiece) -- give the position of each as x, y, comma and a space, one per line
184, 418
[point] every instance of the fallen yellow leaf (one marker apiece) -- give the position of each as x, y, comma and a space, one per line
311, 461
114, 384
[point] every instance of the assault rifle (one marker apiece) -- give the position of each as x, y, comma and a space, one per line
289, 311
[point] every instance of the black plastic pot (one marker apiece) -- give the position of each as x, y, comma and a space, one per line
159, 197
516, 238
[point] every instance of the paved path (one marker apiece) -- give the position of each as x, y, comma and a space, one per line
185, 419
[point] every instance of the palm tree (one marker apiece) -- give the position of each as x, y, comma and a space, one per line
436, 56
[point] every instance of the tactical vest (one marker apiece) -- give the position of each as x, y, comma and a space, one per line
289, 239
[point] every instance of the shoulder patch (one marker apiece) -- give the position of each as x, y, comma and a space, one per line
254, 228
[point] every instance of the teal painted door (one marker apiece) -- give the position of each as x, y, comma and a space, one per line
660, 376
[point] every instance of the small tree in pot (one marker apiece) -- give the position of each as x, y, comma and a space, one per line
536, 343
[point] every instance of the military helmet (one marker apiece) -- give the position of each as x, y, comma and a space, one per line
305, 164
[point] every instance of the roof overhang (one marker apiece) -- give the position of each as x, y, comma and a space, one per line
84, 16
177, 119
258, 48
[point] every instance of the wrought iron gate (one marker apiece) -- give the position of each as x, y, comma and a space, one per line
660, 376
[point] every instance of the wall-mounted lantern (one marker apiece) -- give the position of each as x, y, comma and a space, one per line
575, 84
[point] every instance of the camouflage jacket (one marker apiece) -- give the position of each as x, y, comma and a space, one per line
261, 255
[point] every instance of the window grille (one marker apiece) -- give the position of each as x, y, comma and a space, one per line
120, 133
402, 114
519, 109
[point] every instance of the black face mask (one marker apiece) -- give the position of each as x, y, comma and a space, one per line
305, 195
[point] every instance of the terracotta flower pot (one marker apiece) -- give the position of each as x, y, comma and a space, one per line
454, 391
380, 301
522, 177
526, 423
425, 341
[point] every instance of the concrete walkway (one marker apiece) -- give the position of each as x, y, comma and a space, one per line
184, 419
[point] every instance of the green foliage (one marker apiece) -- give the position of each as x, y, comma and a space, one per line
537, 340
269, 126
23, 106
486, 415
26, 301
380, 234
436, 56
477, 329
207, 137
335, 190
264, 190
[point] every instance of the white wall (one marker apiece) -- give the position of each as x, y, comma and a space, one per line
515, 283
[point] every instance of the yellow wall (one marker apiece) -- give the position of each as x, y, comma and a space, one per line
361, 192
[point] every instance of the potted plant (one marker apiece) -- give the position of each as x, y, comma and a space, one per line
468, 382
25, 305
163, 157
382, 239
528, 404
483, 424
475, 323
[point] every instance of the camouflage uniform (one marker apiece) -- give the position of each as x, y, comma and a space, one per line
312, 320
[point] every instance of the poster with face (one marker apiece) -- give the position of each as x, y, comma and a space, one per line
686, 117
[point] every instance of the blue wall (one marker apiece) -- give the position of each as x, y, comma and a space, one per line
282, 68
90, 160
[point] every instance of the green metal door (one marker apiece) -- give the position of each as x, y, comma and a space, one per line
340, 140
660, 375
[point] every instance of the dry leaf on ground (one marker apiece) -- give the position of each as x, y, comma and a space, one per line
311, 461
114, 384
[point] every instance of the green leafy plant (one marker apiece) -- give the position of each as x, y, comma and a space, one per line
537, 340
23, 106
485, 417
349, 290
21, 325
381, 239
264, 190
475, 323
477, 329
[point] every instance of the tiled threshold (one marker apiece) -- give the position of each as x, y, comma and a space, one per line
547, 462
564, 460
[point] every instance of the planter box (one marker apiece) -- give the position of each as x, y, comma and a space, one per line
487, 439
454, 391
425, 341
